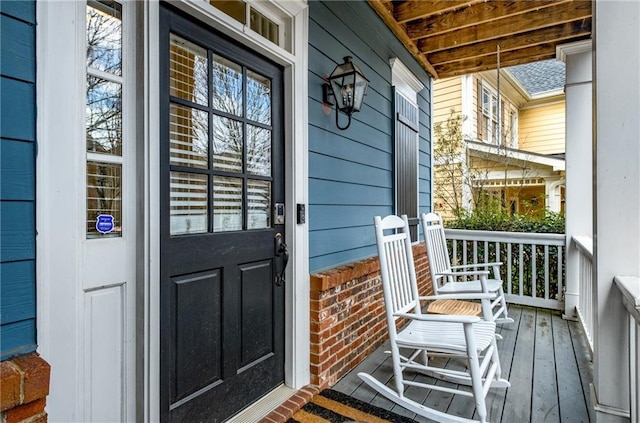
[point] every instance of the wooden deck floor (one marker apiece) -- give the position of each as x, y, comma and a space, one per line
545, 358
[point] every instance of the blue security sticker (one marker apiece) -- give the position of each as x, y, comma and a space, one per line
105, 223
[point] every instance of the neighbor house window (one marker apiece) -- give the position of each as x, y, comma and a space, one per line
488, 115
103, 118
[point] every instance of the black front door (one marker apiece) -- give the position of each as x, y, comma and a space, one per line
222, 312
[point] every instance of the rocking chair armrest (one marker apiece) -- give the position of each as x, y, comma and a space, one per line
460, 296
464, 273
453, 318
466, 266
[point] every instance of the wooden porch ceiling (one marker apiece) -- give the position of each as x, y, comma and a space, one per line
456, 37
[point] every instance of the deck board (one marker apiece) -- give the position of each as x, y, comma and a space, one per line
545, 358
544, 398
518, 401
571, 396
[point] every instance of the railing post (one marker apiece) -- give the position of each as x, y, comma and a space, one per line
579, 197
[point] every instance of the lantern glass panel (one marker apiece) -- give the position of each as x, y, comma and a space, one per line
360, 91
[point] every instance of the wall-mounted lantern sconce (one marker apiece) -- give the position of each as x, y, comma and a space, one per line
347, 85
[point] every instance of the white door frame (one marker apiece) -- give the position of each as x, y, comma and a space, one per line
295, 63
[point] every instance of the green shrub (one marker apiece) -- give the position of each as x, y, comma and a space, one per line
488, 220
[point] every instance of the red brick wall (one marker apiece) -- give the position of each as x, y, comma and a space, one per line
347, 315
24, 386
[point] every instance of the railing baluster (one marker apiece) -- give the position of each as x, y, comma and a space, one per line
464, 251
509, 259
546, 272
455, 252
475, 251
486, 254
521, 274
534, 276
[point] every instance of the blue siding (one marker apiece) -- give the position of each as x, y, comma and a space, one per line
351, 175
16, 165
17, 291
17, 109
24, 10
18, 49
17, 178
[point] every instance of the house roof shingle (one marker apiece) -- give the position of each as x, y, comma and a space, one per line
540, 77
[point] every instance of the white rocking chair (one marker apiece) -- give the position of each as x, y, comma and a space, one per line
444, 276
463, 336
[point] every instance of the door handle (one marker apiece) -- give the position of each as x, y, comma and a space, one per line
281, 251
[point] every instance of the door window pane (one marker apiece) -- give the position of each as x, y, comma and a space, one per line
258, 151
188, 203
227, 204
104, 200
258, 98
189, 134
227, 86
104, 36
188, 71
104, 116
227, 144
258, 204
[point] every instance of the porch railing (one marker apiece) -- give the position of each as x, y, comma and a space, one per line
533, 267
586, 308
630, 289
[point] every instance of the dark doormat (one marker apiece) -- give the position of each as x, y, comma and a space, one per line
336, 407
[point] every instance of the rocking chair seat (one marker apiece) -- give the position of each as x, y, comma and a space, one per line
445, 337
464, 308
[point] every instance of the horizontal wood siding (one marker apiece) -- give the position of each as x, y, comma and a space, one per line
542, 129
447, 95
17, 178
351, 175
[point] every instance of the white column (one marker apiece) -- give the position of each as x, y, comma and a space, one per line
617, 196
578, 156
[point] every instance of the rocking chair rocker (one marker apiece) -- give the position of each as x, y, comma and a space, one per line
453, 335
444, 276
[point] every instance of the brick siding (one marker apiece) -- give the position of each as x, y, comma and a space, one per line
24, 382
347, 315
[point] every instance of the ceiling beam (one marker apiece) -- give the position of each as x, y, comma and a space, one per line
411, 10
507, 27
563, 32
398, 31
476, 14
512, 58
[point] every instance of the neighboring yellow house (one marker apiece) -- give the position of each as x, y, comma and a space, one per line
520, 167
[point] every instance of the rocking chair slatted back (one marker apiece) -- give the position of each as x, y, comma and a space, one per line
437, 253
398, 267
